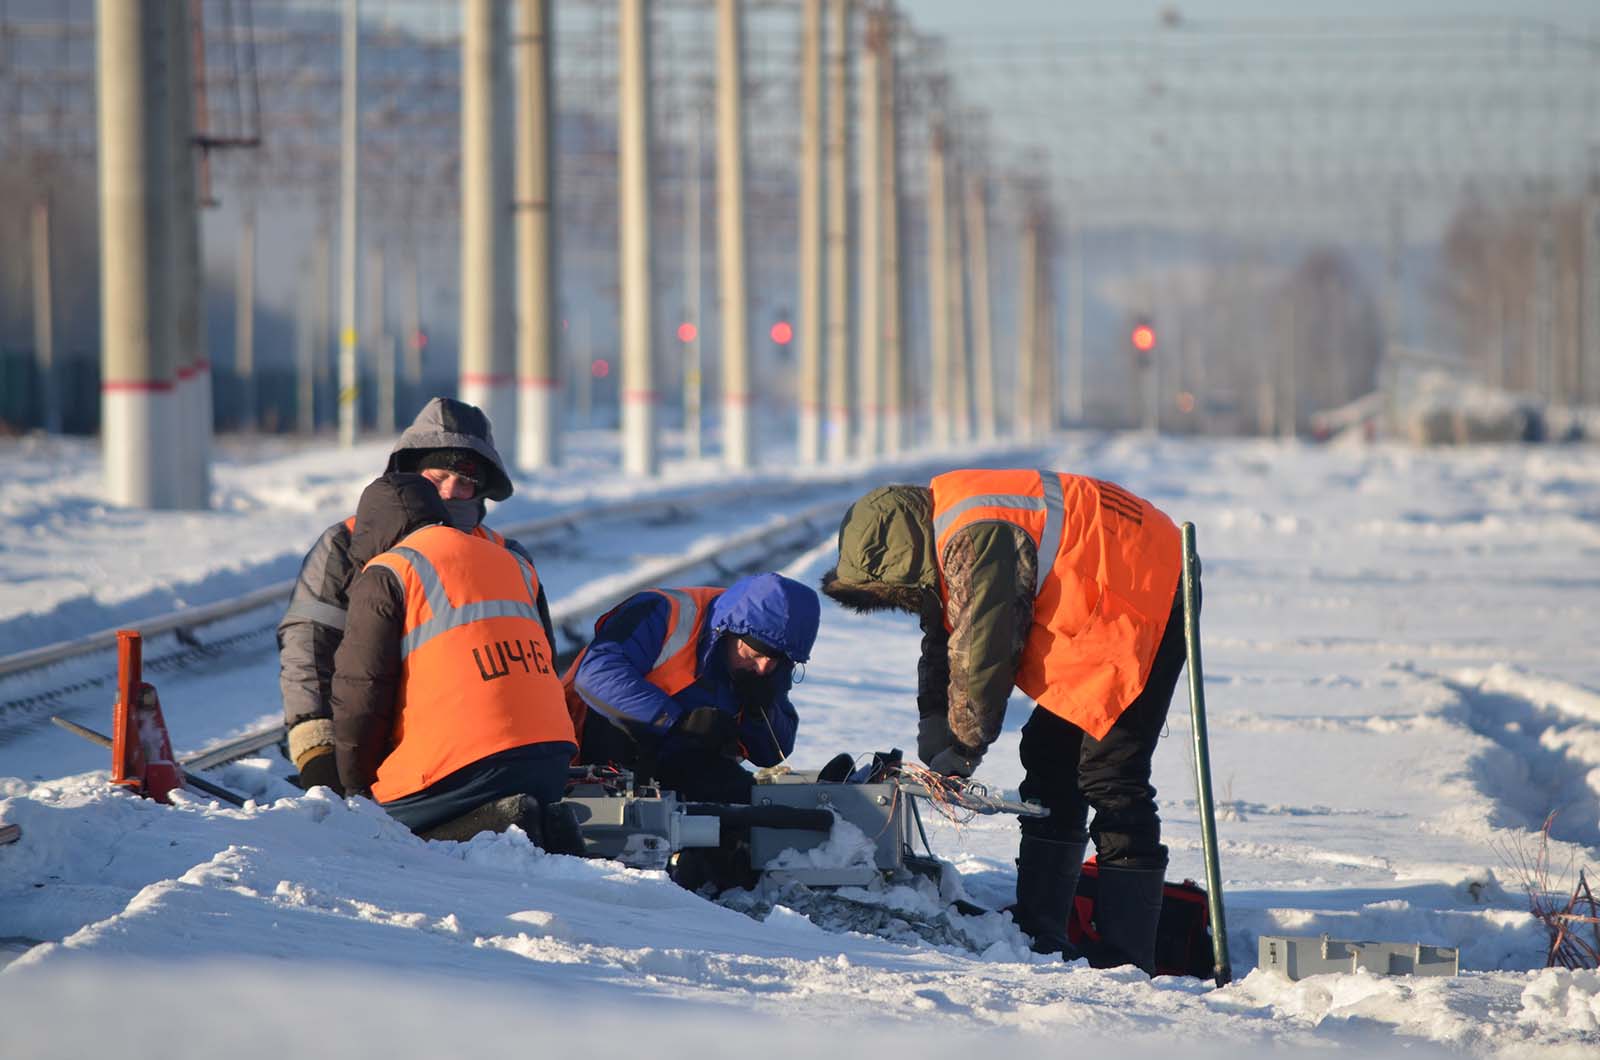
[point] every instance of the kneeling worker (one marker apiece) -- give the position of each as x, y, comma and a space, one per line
688, 683
445, 696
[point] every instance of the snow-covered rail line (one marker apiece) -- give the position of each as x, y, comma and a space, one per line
715, 559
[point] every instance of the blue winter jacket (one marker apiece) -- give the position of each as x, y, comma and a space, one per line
778, 611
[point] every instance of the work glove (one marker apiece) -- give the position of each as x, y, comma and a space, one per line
933, 736
956, 761
709, 730
320, 767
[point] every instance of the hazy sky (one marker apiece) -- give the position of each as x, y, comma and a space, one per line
1001, 16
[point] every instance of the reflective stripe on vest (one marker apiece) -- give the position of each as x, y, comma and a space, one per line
676, 665
1107, 573
476, 676
447, 617
1055, 518
682, 624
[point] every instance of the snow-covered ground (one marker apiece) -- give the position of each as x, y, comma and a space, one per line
1401, 684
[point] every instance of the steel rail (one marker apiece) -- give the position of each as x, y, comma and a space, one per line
189, 618
745, 549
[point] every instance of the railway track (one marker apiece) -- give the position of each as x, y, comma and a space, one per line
203, 646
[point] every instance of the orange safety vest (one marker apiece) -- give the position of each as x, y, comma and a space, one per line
476, 670
676, 665
1108, 570
478, 531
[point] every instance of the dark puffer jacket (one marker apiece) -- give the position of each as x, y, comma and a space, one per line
367, 664
313, 625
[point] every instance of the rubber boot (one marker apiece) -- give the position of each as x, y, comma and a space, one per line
1126, 913
563, 834
521, 810
1047, 879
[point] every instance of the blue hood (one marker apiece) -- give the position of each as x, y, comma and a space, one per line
776, 610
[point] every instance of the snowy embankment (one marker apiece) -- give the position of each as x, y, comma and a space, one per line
1401, 687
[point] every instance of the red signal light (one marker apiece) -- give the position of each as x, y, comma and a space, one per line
1143, 338
782, 333
687, 332
600, 368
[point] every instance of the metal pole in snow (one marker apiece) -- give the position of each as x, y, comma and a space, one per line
349, 349
738, 446
637, 281
538, 407
812, 277
1222, 970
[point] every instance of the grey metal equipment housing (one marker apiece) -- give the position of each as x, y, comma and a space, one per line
879, 810
640, 831
1300, 956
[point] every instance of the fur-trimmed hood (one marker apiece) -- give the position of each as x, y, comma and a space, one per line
887, 558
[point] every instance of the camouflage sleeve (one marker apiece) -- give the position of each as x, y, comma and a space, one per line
989, 570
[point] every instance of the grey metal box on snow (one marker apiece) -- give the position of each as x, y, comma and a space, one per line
1300, 956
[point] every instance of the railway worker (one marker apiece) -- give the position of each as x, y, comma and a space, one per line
445, 692
689, 683
1066, 588
450, 444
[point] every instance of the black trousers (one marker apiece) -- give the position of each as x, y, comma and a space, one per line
1069, 772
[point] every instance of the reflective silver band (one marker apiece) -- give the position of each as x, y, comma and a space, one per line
463, 615
432, 588
527, 578
1052, 504
1055, 520
986, 500
446, 617
688, 619
316, 611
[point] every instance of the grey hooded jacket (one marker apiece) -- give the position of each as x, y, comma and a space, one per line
313, 625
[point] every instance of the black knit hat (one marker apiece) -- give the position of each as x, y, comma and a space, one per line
461, 462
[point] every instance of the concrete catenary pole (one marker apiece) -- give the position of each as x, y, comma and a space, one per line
738, 449
1589, 364
982, 322
1044, 394
349, 259
938, 289
639, 456
244, 320
305, 371
1027, 326
538, 411
692, 371
138, 364
378, 338
869, 245
1076, 378
956, 316
893, 382
413, 337
841, 392
488, 377
321, 323
194, 366
44, 323
1544, 302
809, 441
